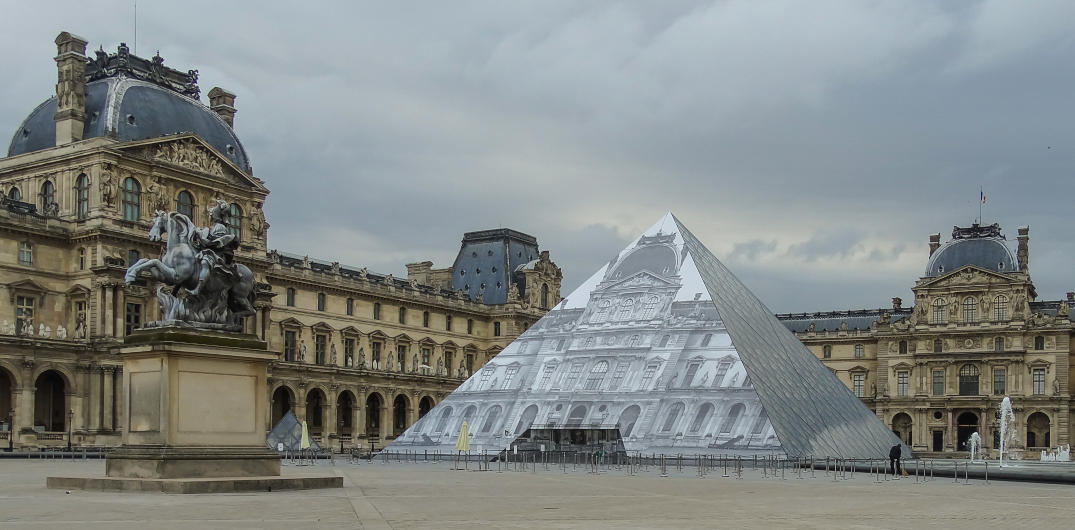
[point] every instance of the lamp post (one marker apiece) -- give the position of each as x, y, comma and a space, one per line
70, 427
11, 430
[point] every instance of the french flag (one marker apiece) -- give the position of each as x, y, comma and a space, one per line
982, 193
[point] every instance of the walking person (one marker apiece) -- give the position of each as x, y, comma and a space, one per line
894, 455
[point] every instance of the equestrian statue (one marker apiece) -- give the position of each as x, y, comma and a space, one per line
209, 289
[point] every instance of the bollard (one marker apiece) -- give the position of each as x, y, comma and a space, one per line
987, 472
966, 474
955, 472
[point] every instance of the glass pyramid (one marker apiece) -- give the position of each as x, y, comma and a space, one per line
664, 348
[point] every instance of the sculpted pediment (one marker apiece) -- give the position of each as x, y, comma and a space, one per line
187, 151
640, 280
969, 275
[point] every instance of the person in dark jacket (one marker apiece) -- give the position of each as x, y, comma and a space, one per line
894, 455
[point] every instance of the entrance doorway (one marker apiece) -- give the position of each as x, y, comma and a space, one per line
938, 440
966, 424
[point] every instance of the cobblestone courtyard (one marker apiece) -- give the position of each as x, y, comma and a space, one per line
428, 496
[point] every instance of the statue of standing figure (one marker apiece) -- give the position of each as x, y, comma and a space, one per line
332, 356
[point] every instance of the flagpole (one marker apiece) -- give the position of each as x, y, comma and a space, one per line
981, 194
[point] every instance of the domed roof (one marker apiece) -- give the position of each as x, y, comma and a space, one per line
990, 253
131, 109
656, 259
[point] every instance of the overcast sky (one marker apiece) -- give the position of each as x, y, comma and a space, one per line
813, 146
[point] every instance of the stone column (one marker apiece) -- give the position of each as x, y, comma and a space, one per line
106, 310
121, 311
108, 402
360, 414
94, 408
386, 420
300, 403
328, 418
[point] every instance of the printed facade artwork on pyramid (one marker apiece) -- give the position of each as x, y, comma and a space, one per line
642, 355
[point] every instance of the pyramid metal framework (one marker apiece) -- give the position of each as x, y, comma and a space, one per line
666, 345
287, 435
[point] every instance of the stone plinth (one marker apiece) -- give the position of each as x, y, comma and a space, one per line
196, 407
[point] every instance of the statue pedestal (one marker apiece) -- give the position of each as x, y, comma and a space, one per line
196, 403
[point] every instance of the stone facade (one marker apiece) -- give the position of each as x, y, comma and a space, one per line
75, 214
936, 373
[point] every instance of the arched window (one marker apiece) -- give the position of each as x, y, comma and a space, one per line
290, 297
603, 309
673, 415
701, 417
14, 194
235, 221
490, 418
443, 421
544, 296
48, 195
968, 380
940, 312
1000, 308
938, 345
732, 418
826, 351
132, 199
626, 308
184, 204
597, 375
650, 308
970, 310
82, 196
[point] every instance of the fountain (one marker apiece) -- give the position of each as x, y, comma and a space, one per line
1062, 454
1007, 425
974, 444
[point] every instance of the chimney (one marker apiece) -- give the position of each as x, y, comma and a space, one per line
222, 102
70, 88
897, 303
1023, 254
934, 243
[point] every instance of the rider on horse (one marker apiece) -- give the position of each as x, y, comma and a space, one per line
216, 246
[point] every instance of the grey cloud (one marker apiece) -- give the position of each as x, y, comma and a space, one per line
401, 125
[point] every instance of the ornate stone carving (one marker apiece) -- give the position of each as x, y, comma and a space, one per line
258, 225
188, 154
107, 186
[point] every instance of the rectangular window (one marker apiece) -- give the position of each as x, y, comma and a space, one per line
81, 259
348, 350
560, 344
80, 314
859, 384
26, 253
401, 357
448, 367
132, 257
572, 377
289, 346
470, 326
647, 377
470, 363
496, 329
133, 319
860, 351
403, 315
618, 375
289, 297
425, 319
509, 374
350, 306
546, 375
689, 378
486, 374
938, 382
903, 346
1000, 383
722, 370
447, 322
24, 314
1039, 381
375, 355
320, 301
425, 359
376, 310
320, 344
901, 383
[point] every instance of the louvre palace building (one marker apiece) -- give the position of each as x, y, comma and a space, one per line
361, 355
937, 372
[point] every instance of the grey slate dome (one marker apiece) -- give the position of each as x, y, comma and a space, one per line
980, 246
131, 109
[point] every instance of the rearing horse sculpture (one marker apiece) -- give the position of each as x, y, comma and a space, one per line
222, 300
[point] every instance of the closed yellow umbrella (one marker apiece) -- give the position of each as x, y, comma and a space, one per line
463, 443
304, 442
